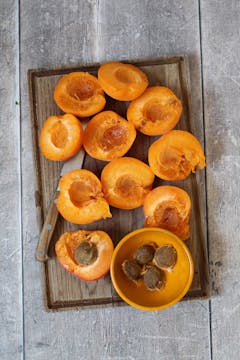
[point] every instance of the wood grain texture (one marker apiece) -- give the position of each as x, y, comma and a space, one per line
221, 51
11, 346
62, 289
89, 31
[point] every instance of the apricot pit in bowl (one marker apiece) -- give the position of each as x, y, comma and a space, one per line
108, 136
175, 283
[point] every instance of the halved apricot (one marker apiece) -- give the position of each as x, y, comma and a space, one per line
86, 254
126, 181
80, 94
61, 137
156, 111
175, 155
122, 81
81, 200
168, 207
108, 136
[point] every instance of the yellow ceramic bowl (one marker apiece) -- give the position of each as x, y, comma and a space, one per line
178, 281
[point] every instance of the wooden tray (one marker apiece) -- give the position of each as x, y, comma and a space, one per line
61, 289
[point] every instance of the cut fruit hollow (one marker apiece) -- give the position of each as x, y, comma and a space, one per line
81, 200
86, 254
122, 82
61, 137
168, 207
108, 136
175, 155
126, 181
156, 111
80, 94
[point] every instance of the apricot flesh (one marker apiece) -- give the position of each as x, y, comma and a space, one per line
121, 81
156, 111
108, 136
80, 94
126, 181
81, 200
175, 155
168, 207
61, 137
73, 250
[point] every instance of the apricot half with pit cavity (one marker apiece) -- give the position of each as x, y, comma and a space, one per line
122, 81
61, 137
108, 136
81, 200
80, 94
168, 207
175, 155
126, 181
156, 111
86, 254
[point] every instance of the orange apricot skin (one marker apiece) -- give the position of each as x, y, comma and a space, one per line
61, 137
156, 111
121, 81
120, 137
69, 241
126, 181
80, 94
168, 207
175, 155
93, 206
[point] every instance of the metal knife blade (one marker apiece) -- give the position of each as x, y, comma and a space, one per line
73, 163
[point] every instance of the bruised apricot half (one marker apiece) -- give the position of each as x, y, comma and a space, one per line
175, 155
156, 111
61, 137
80, 94
86, 254
168, 207
126, 181
122, 81
108, 136
80, 199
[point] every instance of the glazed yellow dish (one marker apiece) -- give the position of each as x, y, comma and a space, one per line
177, 281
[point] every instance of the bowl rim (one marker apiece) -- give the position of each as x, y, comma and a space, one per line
184, 290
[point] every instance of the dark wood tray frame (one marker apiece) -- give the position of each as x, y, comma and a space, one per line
200, 201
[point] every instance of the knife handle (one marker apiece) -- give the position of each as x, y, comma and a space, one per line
47, 232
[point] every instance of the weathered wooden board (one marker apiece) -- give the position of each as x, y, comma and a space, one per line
221, 51
11, 329
62, 289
